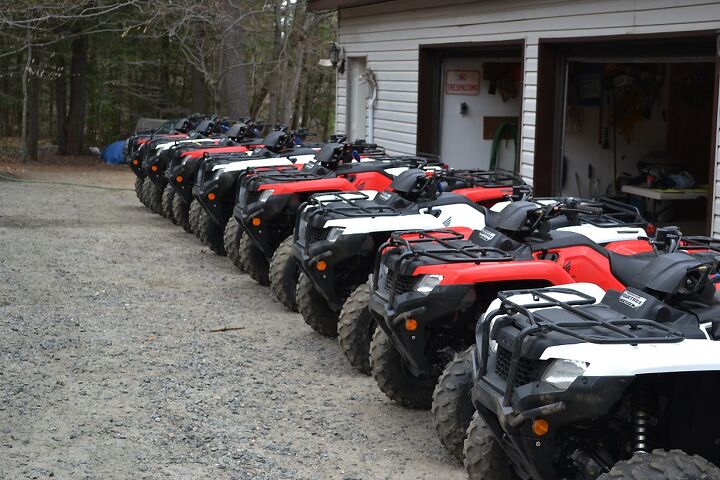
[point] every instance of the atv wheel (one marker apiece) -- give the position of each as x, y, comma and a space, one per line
660, 464
356, 327
253, 261
394, 379
153, 196
139, 189
484, 458
452, 407
231, 238
194, 216
284, 273
314, 308
145, 192
210, 233
167, 199
181, 212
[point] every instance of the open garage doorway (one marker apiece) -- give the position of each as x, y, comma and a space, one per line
636, 121
469, 104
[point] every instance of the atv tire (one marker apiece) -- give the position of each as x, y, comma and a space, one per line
153, 196
314, 309
167, 199
356, 327
139, 189
253, 261
194, 216
210, 233
231, 239
181, 212
484, 458
394, 379
284, 273
452, 407
661, 464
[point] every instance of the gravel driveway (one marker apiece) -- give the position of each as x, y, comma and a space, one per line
108, 368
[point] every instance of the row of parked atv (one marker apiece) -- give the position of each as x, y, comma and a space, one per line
552, 338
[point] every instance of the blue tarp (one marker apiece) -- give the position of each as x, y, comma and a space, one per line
113, 153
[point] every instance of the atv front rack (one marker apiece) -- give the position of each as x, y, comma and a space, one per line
582, 319
440, 248
446, 251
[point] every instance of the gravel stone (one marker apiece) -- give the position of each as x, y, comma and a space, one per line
109, 369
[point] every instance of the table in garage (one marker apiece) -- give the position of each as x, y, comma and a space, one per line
657, 195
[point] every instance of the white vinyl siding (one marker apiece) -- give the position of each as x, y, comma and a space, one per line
390, 36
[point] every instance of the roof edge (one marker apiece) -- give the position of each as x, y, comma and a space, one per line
320, 5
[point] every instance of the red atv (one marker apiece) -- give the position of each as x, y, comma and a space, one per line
429, 287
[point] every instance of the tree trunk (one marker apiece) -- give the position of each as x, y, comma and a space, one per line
33, 118
199, 92
276, 80
75, 124
234, 77
60, 109
25, 76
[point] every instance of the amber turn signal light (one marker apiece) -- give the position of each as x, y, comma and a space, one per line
178, 179
321, 265
256, 221
411, 324
540, 427
211, 196
154, 168
136, 161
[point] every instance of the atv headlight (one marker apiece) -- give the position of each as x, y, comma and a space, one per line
492, 344
334, 233
427, 283
564, 372
264, 195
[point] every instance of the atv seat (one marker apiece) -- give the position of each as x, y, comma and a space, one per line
626, 268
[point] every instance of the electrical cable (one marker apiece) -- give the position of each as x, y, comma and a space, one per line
23, 180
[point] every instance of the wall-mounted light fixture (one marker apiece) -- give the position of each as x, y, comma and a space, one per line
337, 57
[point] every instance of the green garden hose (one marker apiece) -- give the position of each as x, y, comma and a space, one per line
494, 149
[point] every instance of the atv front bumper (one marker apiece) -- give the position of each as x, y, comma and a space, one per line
154, 167
337, 264
185, 172
265, 222
438, 308
587, 398
219, 207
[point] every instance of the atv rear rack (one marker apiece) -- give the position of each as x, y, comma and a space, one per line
616, 335
350, 207
700, 243
485, 178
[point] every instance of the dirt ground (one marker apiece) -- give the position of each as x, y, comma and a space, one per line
108, 368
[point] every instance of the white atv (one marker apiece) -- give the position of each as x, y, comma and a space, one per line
571, 382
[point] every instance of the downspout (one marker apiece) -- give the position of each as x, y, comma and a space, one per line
369, 77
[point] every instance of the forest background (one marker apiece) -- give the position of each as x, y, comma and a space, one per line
80, 73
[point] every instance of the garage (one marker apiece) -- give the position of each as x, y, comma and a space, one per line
633, 119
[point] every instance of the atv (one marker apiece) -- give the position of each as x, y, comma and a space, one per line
338, 235
216, 182
571, 383
428, 287
268, 200
158, 157
183, 165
